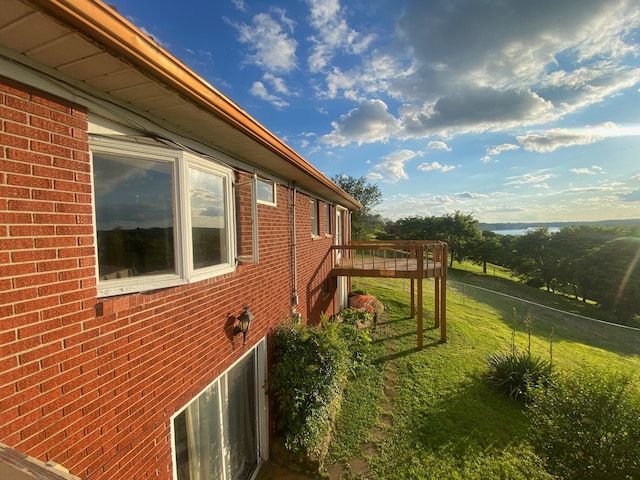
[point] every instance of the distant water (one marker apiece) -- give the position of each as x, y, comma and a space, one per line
522, 231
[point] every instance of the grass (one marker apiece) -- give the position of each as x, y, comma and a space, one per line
447, 423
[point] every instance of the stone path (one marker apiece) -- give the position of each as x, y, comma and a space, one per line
358, 467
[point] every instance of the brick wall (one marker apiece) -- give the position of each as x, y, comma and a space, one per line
91, 383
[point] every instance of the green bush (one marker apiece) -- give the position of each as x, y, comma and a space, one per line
311, 365
513, 373
587, 425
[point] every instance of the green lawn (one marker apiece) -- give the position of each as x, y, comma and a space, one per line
446, 422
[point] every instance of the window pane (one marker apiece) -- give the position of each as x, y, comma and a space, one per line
266, 191
314, 217
208, 218
134, 215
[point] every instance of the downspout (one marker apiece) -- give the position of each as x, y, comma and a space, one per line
294, 255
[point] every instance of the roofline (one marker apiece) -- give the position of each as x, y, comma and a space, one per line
103, 24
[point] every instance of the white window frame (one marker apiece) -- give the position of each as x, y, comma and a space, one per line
185, 273
272, 184
314, 217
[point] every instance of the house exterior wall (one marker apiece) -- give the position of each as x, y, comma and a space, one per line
91, 383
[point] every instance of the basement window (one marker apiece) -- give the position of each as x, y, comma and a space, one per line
163, 217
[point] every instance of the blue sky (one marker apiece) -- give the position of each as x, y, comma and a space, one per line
510, 110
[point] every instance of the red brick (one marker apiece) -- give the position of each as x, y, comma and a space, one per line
14, 296
31, 230
30, 206
54, 218
33, 280
53, 242
54, 288
50, 126
53, 196
25, 131
74, 230
14, 115
50, 172
76, 122
59, 310
72, 186
50, 103
33, 255
57, 265
14, 192
15, 167
36, 305
62, 333
70, 142
19, 346
29, 181
72, 165
17, 243
74, 208
12, 90
40, 353
50, 149
28, 156
13, 141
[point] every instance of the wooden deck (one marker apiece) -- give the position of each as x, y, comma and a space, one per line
412, 259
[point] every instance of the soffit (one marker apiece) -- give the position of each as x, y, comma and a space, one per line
42, 39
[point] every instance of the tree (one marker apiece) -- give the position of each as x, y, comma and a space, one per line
614, 269
487, 249
364, 223
460, 232
532, 259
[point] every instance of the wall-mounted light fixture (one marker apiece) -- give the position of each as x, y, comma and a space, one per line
244, 323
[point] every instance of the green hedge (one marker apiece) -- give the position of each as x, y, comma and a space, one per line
311, 366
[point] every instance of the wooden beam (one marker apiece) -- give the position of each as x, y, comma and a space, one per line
420, 254
443, 295
413, 300
436, 301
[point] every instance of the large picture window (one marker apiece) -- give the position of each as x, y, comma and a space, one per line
163, 217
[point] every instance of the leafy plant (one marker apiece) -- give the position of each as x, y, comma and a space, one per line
309, 372
587, 425
513, 373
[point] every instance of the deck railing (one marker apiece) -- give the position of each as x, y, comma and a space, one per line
404, 257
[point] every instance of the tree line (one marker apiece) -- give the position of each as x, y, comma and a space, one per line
589, 262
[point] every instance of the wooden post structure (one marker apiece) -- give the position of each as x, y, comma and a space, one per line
413, 301
420, 272
443, 294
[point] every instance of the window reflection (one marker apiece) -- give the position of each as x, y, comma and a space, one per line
208, 218
134, 216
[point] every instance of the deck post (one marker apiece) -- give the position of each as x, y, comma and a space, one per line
436, 301
443, 295
413, 301
420, 274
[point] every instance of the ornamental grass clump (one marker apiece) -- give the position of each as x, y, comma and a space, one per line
514, 373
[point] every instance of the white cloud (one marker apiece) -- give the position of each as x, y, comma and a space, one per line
259, 90
528, 178
270, 43
332, 34
435, 166
434, 145
554, 139
393, 165
594, 170
460, 67
472, 195
498, 149
370, 122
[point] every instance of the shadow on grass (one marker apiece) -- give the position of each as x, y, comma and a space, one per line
464, 422
565, 327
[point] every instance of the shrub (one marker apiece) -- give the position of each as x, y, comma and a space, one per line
514, 373
587, 425
310, 369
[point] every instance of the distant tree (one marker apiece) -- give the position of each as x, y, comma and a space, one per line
614, 270
460, 232
413, 228
570, 245
532, 258
487, 249
364, 223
